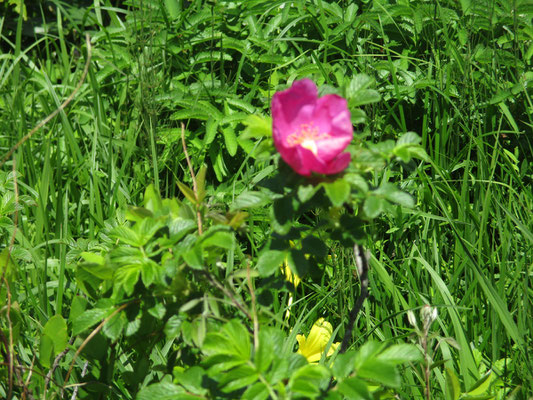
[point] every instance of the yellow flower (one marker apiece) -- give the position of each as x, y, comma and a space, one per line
312, 346
290, 276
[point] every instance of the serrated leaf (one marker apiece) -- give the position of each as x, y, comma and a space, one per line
179, 227
401, 353
380, 371
127, 235
164, 391
89, 318
230, 140
306, 380
338, 192
306, 192
211, 128
270, 261
126, 277
257, 391
374, 206
344, 365
238, 378
194, 258
257, 126
408, 138
93, 258
54, 338
152, 199
250, 199
354, 389
114, 327
220, 238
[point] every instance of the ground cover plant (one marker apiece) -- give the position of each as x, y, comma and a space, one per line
174, 226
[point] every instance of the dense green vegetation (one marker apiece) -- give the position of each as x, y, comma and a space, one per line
111, 288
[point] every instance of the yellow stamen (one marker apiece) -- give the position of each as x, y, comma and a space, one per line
306, 136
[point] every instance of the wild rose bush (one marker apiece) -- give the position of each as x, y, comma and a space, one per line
169, 263
311, 133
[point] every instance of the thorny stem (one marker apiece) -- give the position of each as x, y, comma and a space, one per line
361, 261
194, 185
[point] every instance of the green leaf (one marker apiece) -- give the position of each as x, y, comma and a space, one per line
257, 126
298, 262
355, 389
238, 378
358, 93
179, 227
218, 238
338, 192
93, 258
409, 138
191, 379
114, 327
380, 371
282, 214
357, 181
481, 386
173, 8
453, 387
89, 318
401, 353
194, 257
126, 277
187, 192
200, 183
344, 365
46, 349
147, 228
230, 139
257, 391
270, 261
211, 127
173, 326
306, 380
127, 235
54, 338
152, 199
250, 199
270, 340
232, 340
239, 338
103, 272
306, 192
164, 391
77, 307
374, 206
150, 272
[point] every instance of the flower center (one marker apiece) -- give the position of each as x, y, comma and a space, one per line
306, 136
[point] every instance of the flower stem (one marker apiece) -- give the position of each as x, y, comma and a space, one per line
361, 261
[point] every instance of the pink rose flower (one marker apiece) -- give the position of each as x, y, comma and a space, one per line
309, 132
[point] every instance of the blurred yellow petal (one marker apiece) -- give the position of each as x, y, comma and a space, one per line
290, 276
312, 346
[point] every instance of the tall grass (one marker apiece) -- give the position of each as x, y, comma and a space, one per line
457, 73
